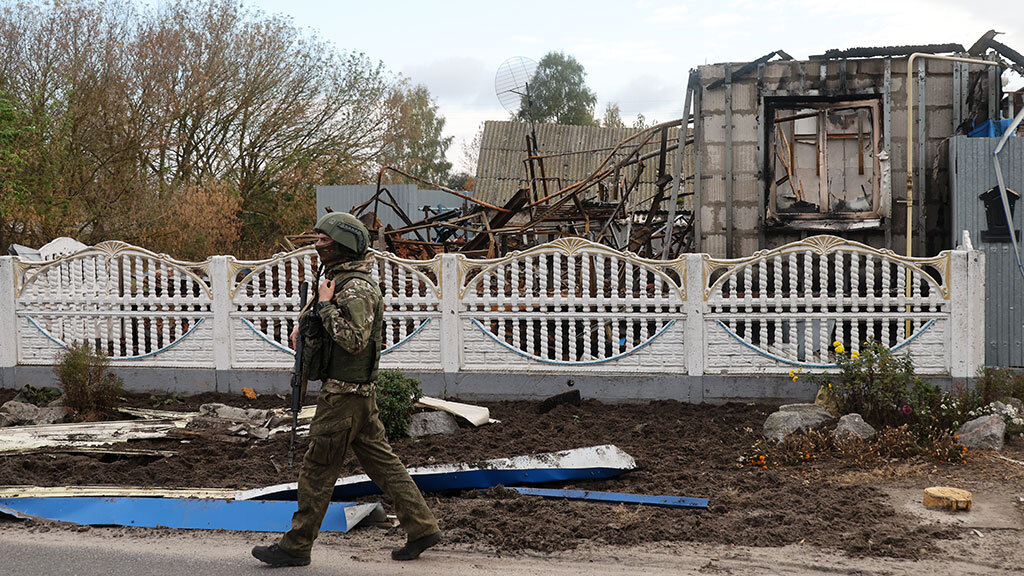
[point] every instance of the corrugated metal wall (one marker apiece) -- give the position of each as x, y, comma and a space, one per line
409, 197
971, 174
501, 170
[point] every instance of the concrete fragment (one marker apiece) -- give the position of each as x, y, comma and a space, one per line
985, 433
14, 413
795, 418
225, 412
853, 426
429, 423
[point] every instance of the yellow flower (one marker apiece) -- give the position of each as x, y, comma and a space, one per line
794, 378
840, 349
792, 374
837, 344
854, 354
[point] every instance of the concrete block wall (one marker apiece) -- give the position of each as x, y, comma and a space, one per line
814, 78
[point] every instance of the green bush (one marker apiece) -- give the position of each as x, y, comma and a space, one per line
999, 383
90, 391
396, 397
882, 387
37, 396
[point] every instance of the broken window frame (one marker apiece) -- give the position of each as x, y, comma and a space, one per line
776, 170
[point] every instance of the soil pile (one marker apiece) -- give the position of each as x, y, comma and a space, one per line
680, 449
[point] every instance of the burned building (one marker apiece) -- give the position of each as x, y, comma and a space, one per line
791, 148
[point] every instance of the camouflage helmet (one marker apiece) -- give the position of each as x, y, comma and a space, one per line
346, 230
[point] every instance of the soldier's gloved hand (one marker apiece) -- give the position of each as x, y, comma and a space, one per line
293, 338
326, 290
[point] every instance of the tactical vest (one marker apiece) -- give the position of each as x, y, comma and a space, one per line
330, 360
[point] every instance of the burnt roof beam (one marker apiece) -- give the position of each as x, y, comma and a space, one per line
749, 66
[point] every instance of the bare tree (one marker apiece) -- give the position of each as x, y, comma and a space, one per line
130, 114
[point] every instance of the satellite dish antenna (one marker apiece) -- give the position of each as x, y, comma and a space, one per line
511, 83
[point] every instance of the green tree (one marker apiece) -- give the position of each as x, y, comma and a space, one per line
14, 129
612, 116
415, 141
559, 93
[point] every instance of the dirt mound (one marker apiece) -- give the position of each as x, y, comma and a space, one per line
680, 449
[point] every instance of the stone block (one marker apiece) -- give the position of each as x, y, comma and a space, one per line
854, 426
430, 423
985, 433
14, 413
744, 96
792, 418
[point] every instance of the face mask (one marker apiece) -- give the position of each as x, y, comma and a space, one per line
332, 253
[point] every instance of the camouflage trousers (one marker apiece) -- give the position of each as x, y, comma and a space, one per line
341, 421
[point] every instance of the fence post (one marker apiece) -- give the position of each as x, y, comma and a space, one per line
958, 341
220, 274
8, 319
976, 292
965, 339
694, 309
451, 328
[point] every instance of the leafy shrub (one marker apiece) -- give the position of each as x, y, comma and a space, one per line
957, 407
90, 391
396, 397
167, 399
38, 396
999, 383
882, 387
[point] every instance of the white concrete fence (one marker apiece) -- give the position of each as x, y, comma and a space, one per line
569, 307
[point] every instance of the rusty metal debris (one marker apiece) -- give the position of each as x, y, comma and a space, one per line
604, 206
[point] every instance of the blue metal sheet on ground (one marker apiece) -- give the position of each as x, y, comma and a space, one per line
465, 480
577, 464
669, 501
471, 479
206, 514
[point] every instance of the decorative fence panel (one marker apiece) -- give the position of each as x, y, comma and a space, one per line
788, 307
130, 304
570, 306
265, 307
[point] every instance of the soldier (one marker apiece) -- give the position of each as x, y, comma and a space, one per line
342, 339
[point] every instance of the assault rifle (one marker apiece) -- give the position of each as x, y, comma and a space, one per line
297, 376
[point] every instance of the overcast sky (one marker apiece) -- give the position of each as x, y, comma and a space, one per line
636, 53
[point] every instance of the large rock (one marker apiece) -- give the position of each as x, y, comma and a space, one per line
15, 413
795, 418
51, 415
1015, 402
985, 433
853, 426
428, 423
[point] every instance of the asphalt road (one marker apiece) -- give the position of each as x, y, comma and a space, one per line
34, 550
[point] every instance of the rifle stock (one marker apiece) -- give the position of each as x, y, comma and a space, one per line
297, 387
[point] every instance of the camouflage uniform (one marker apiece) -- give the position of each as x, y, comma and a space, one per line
346, 415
